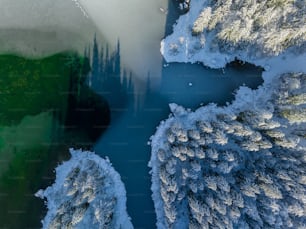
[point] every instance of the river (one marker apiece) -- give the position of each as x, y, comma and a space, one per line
146, 104
130, 74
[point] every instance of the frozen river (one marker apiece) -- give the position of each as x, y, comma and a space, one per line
138, 103
140, 26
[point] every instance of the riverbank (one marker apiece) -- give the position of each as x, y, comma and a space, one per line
220, 141
184, 46
251, 135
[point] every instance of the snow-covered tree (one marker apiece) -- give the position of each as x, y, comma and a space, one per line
238, 170
87, 193
248, 29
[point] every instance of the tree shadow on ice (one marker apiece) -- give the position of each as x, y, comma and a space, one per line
125, 143
107, 77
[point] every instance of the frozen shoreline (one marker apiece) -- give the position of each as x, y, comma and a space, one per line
159, 141
246, 100
106, 191
176, 48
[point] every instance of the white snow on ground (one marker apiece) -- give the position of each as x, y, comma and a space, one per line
176, 48
87, 193
262, 116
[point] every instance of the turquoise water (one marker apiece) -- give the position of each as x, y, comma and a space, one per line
136, 119
137, 103
125, 141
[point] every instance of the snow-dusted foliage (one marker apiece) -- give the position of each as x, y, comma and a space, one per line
239, 166
87, 193
252, 28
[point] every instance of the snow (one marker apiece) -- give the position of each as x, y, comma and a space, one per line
177, 48
182, 30
177, 110
264, 107
174, 50
107, 195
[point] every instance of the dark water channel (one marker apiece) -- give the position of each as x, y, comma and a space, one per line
58, 115
136, 114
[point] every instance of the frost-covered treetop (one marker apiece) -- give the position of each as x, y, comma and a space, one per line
239, 166
253, 28
87, 193
271, 25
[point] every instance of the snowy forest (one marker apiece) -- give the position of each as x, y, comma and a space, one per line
272, 26
257, 28
87, 193
239, 166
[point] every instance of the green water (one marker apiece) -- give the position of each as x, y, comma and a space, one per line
37, 103
24, 82
46, 108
